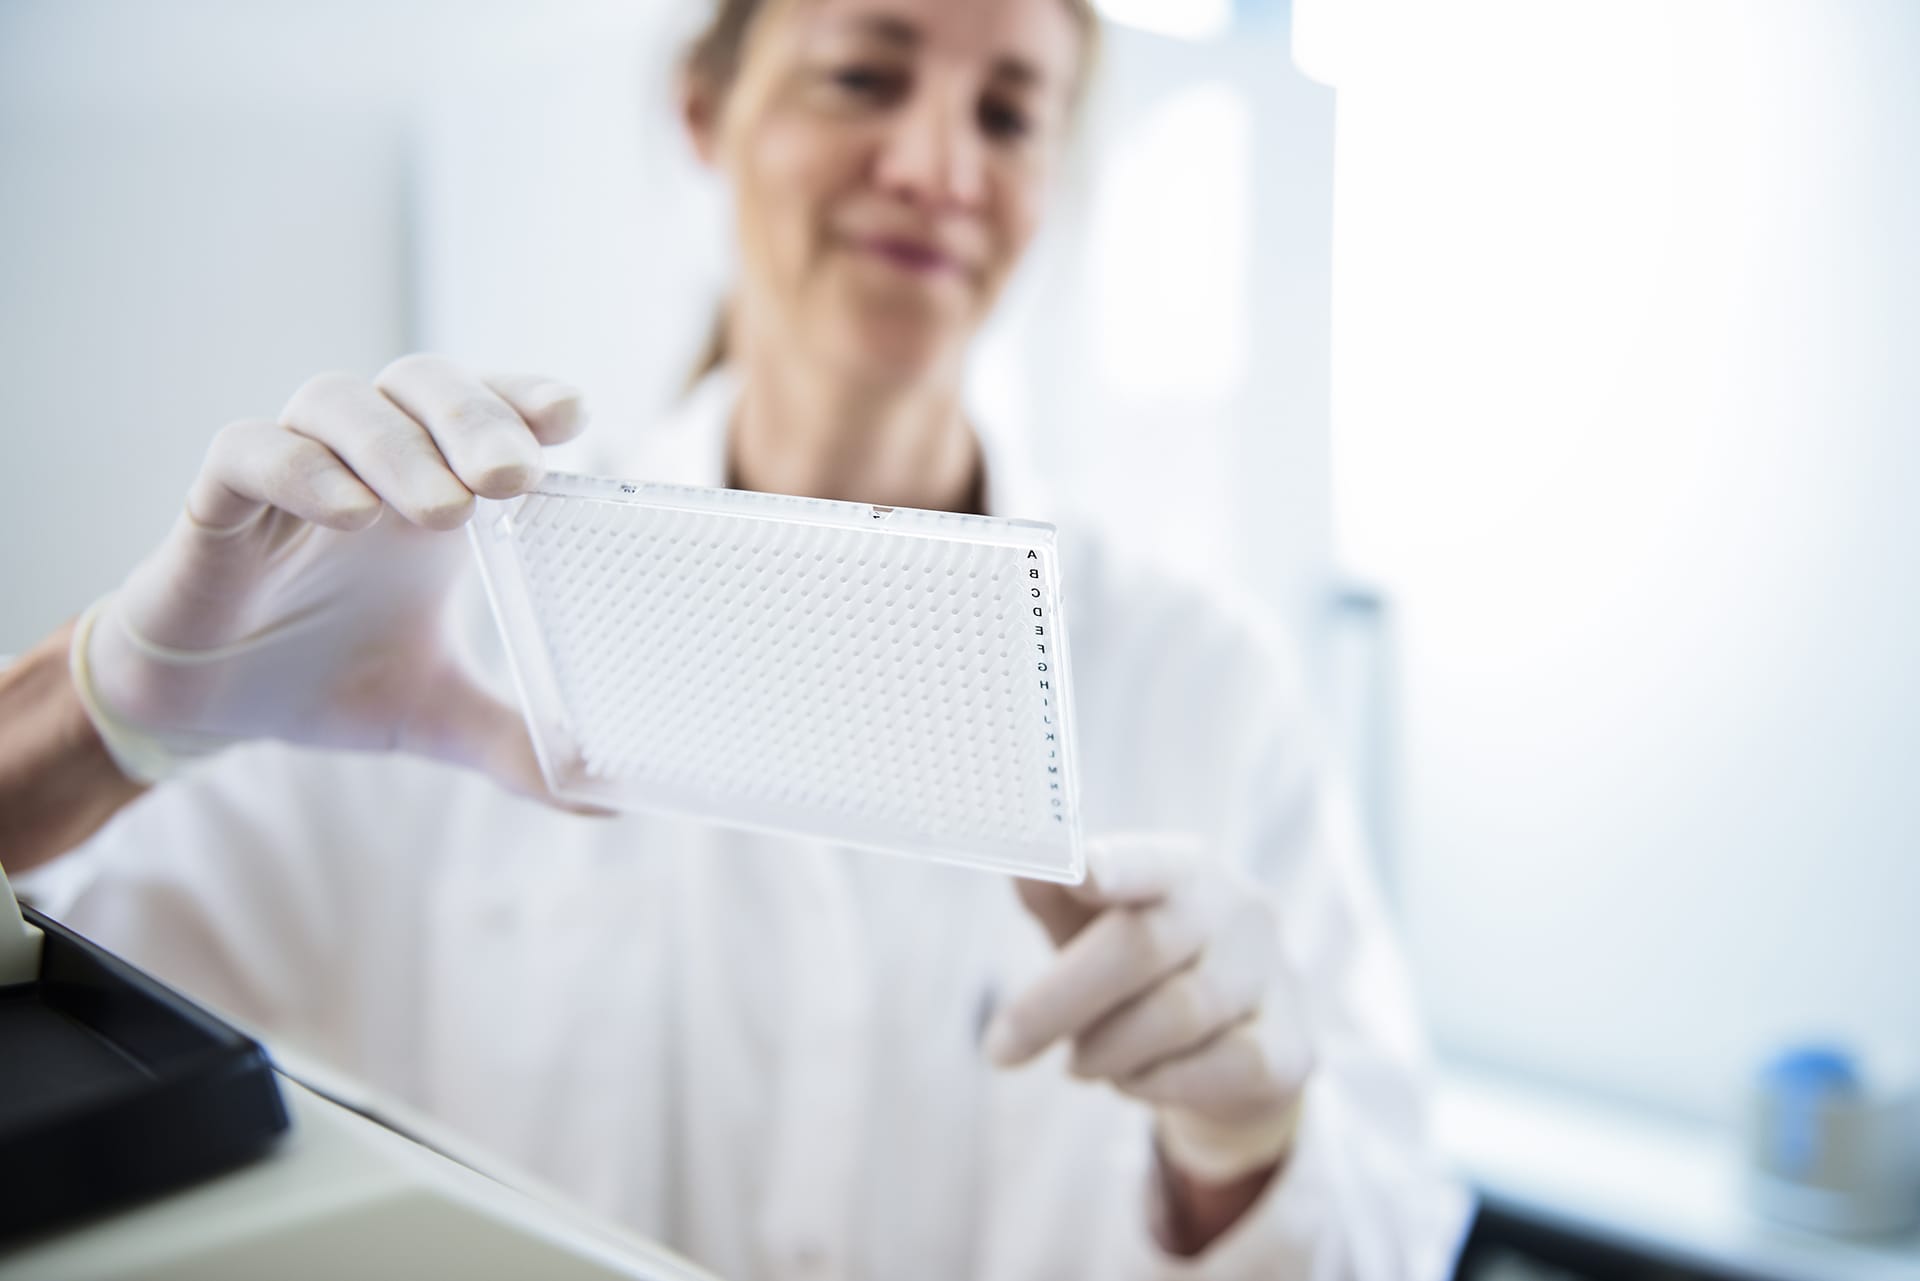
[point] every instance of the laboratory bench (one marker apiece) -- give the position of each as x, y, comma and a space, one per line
1571, 1187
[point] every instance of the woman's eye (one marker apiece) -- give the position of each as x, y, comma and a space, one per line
867, 82
1003, 122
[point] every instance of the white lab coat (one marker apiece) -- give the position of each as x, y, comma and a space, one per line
762, 1051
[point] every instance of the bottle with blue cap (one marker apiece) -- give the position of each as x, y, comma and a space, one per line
1827, 1150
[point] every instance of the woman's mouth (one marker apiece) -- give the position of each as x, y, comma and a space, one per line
913, 256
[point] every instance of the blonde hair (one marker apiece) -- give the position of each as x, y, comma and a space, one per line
715, 56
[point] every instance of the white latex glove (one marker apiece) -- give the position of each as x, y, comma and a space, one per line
1164, 982
299, 595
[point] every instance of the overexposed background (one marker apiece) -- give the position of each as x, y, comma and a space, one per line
1552, 368
1627, 423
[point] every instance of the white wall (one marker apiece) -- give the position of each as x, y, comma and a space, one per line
202, 203
186, 233
1627, 420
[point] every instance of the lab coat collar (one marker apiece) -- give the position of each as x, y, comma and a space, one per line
689, 447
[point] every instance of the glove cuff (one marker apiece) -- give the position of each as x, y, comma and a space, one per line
1221, 1152
142, 756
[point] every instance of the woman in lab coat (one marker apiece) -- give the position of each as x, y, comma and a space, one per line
783, 1058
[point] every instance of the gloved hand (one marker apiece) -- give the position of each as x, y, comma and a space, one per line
1165, 981
299, 595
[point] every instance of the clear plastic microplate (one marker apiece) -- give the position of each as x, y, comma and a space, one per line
880, 677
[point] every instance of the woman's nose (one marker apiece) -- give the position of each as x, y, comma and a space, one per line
931, 154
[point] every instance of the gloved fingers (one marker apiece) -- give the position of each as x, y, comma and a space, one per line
1137, 867
483, 439
1223, 1077
1059, 912
254, 464
1125, 867
459, 721
390, 452
556, 411
1250, 1068
1175, 1017
1125, 951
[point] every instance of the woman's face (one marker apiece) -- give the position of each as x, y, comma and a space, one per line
888, 161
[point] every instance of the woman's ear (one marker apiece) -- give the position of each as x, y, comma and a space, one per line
700, 114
